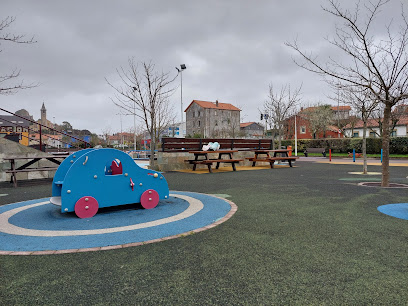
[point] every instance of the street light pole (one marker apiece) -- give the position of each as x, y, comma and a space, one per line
121, 136
134, 122
134, 127
338, 114
182, 67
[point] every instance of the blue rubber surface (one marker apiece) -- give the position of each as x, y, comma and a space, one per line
48, 217
395, 210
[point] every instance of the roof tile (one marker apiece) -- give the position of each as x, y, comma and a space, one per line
207, 104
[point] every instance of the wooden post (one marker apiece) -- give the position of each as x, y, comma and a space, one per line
163, 143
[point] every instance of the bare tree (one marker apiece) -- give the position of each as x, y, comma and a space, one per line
378, 65
364, 104
5, 87
145, 93
319, 118
279, 106
397, 113
106, 133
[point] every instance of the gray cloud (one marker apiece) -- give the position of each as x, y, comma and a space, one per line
232, 49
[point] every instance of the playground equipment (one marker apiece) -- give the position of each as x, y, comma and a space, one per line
94, 178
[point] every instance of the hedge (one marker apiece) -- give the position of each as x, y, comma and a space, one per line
398, 145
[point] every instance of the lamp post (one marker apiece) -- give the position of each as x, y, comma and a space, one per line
121, 135
180, 70
134, 122
338, 114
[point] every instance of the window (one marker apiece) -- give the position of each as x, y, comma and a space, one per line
216, 123
302, 130
199, 123
372, 134
193, 123
356, 134
193, 114
215, 113
198, 115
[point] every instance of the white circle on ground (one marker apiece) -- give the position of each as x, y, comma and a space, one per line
368, 173
6, 227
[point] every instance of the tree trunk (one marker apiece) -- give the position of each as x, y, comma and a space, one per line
280, 136
152, 147
386, 146
364, 147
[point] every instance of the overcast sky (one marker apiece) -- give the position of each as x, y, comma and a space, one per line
232, 49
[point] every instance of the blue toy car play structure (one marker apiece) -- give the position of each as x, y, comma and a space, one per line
93, 178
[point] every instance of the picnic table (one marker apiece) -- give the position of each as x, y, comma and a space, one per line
201, 158
265, 156
30, 161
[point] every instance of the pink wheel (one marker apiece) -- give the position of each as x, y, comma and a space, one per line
149, 199
86, 207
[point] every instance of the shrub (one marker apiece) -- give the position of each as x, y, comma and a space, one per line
398, 145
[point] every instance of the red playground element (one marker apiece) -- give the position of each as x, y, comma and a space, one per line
149, 199
350, 154
132, 184
116, 167
86, 207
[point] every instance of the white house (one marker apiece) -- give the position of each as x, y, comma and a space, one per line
373, 128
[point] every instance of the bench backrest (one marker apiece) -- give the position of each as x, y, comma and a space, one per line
172, 144
315, 150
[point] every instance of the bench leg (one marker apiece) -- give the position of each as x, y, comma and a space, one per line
218, 165
271, 163
290, 162
194, 167
14, 179
209, 168
253, 164
233, 167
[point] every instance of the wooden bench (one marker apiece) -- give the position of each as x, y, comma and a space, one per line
271, 160
315, 150
30, 161
209, 163
172, 144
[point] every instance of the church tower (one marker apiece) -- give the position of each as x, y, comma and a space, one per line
43, 115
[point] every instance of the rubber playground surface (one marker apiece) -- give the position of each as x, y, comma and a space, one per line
126, 226
303, 235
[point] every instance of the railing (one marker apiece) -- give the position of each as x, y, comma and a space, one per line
40, 128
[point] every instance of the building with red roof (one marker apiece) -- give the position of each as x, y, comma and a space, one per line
212, 119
